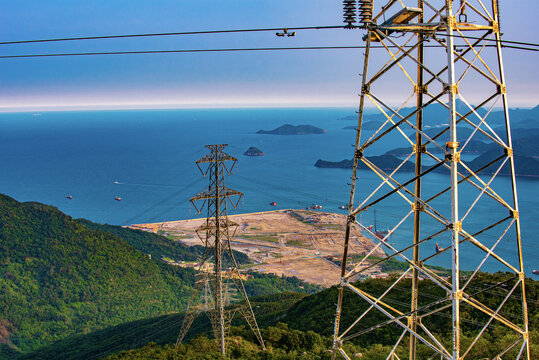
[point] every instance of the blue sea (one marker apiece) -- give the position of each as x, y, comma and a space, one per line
147, 157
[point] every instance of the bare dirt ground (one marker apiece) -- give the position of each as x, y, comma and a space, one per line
290, 242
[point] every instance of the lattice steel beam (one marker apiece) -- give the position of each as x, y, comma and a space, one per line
216, 233
440, 192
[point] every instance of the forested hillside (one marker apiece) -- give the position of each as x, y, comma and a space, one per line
71, 291
61, 277
296, 326
161, 330
317, 313
159, 246
293, 336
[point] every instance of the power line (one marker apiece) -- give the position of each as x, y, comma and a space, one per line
226, 31
177, 51
182, 51
202, 32
495, 40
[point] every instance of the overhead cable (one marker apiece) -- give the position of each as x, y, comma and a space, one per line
227, 31
230, 50
202, 32
496, 40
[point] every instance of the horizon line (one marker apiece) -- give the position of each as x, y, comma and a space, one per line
126, 107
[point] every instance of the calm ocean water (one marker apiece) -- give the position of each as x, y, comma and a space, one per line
148, 159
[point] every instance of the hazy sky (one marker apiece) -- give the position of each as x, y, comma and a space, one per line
306, 78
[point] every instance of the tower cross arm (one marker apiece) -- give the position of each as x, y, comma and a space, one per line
206, 195
216, 158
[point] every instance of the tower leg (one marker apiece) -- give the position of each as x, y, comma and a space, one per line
456, 294
495, 7
190, 315
246, 310
417, 188
351, 218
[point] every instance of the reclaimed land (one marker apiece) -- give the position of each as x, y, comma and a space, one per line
297, 243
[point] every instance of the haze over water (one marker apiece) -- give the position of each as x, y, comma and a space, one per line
148, 159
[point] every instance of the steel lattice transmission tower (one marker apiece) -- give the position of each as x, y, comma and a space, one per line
425, 64
219, 292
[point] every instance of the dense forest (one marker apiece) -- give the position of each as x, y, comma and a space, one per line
316, 313
61, 277
161, 330
303, 331
288, 319
71, 289
159, 246
284, 343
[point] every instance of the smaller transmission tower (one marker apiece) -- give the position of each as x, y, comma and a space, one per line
216, 289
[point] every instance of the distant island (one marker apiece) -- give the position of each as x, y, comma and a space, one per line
367, 125
384, 162
253, 151
473, 147
525, 147
524, 165
288, 129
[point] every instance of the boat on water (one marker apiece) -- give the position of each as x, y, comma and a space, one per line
438, 248
314, 206
273, 203
117, 198
342, 207
116, 182
535, 272
69, 197
380, 234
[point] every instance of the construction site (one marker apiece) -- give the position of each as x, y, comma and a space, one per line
299, 243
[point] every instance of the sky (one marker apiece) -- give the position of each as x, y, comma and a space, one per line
239, 79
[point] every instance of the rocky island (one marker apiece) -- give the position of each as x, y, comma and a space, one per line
253, 151
367, 125
524, 165
288, 129
384, 162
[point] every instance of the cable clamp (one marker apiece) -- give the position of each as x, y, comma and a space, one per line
285, 33
501, 89
514, 214
418, 206
451, 89
452, 22
351, 218
521, 276
419, 149
455, 226
458, 295
495, 26
423, 89
358, 154
452, 144
508, 151
365, 89
452, 157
